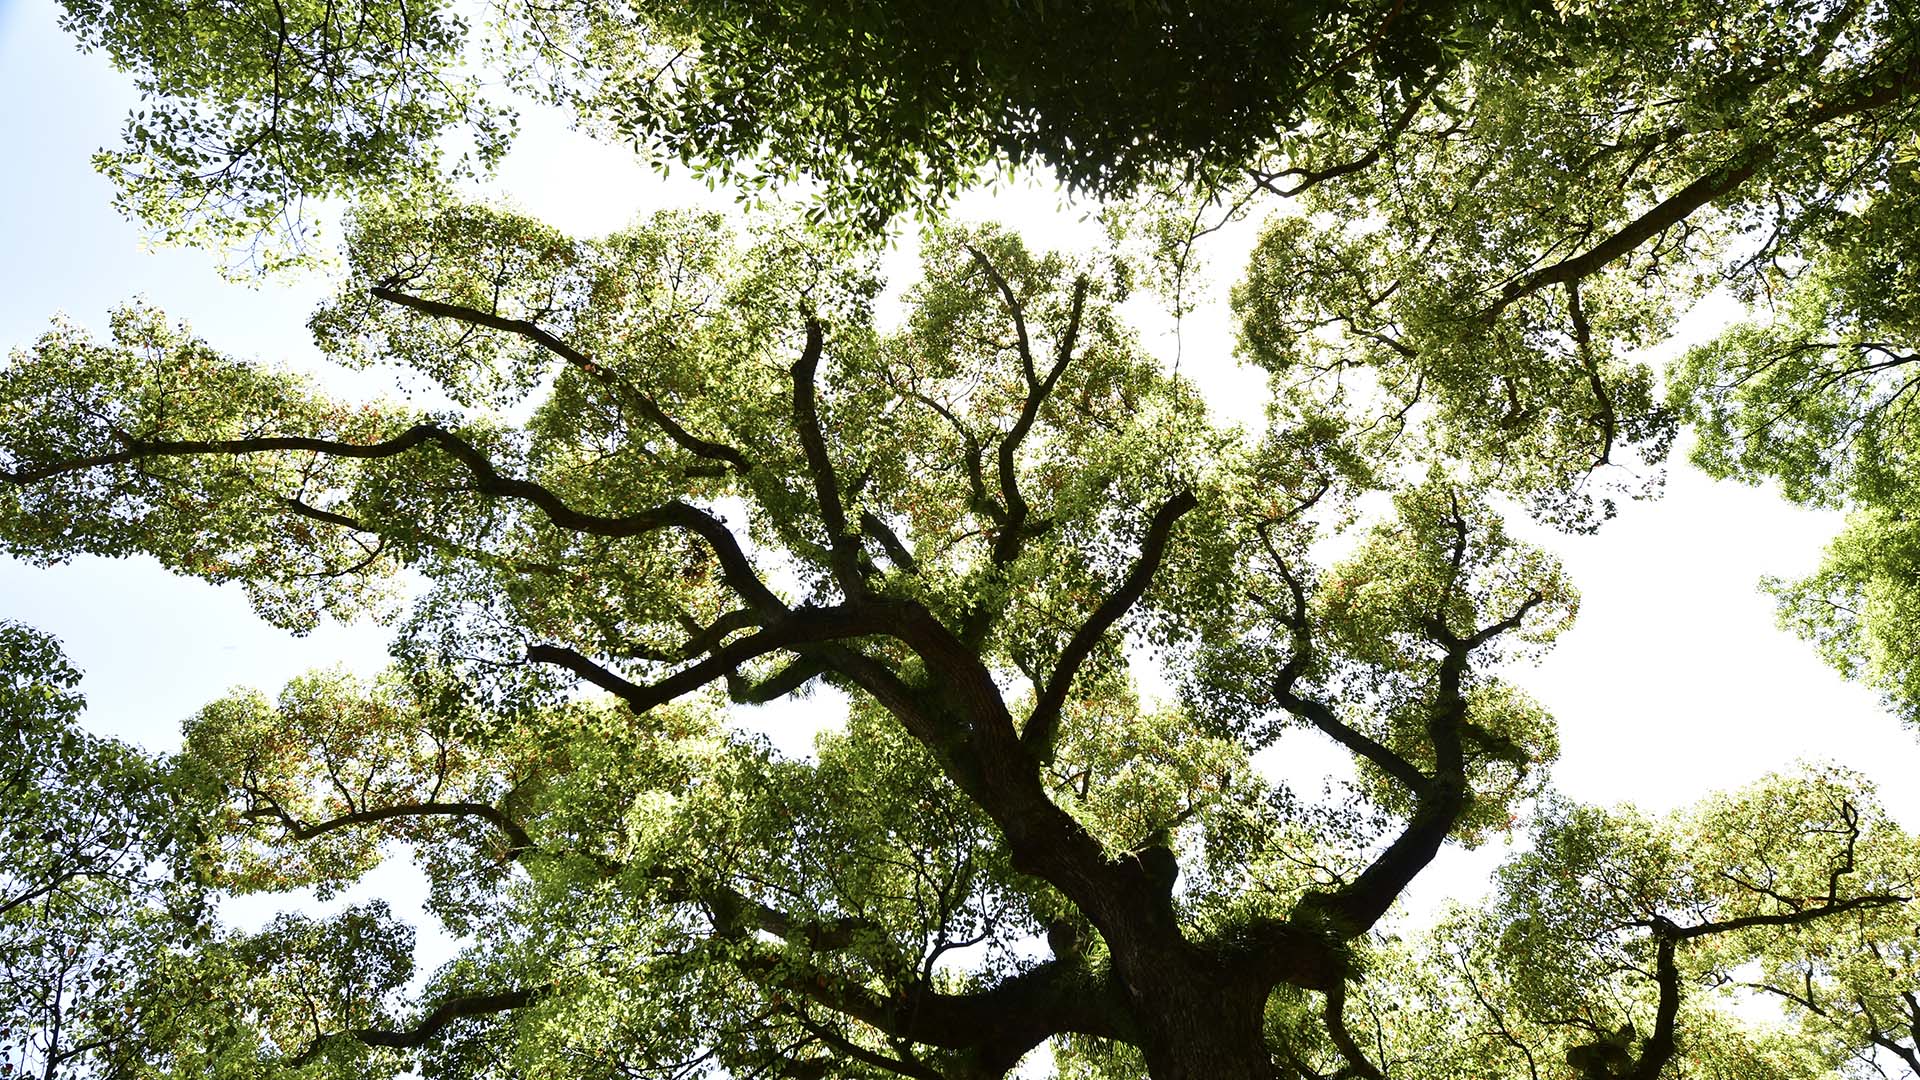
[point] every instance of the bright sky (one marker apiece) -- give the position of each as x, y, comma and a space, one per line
1673, 683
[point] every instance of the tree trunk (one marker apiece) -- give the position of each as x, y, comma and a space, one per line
1220, 1047
1197, 1022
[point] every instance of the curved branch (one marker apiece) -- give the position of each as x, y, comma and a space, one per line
449, 1009
957, 711
1319, 713
1322, 717
533, 332
1583, 346
1659, 1047
705, 637
1389, 137
1014, 308
997, 1025
1014, 533
739, 573
1511, 622
1785, 918
1668, 213
889, 541
801, 627
1705, 188
863, 1055
582, 665
787, 680
1358, 1063
324, 516
1440, 799
1013, 529
1043, 724
487, 812
845, 551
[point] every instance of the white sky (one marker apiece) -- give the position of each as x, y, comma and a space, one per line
1673, 683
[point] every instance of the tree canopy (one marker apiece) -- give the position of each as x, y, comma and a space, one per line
692, 467
890, 105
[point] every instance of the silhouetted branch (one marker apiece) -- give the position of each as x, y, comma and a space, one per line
1044, 722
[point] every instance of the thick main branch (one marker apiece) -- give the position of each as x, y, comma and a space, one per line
488, 479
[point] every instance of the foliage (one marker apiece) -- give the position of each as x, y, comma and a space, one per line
686, 470
733, 486
83, 910
1816, 396
252, 108
1496, 251
894, 106
255, 108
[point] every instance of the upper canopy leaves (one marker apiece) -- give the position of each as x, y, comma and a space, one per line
252, 108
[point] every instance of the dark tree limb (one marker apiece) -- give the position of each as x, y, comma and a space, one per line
956, 710
859, 1053
1318, 713
447, 1012
1658, 1049
1013, 530
51, 884
843, 548
1335, 1014
995, 1026
735, 914
735, 567
1784, 918
1605, 418
1357, 742
1013, 533
492, 815
1440, 800
1737, 170
889, 541
706, 638
799, 627
582, 665
322, 515
1308, 178
1014, 308
1880, 90
642, 402
1044, 722
790, 678
974, 457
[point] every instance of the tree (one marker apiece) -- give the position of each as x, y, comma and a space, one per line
1816, 395
738, 488
679, 470
82, 907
